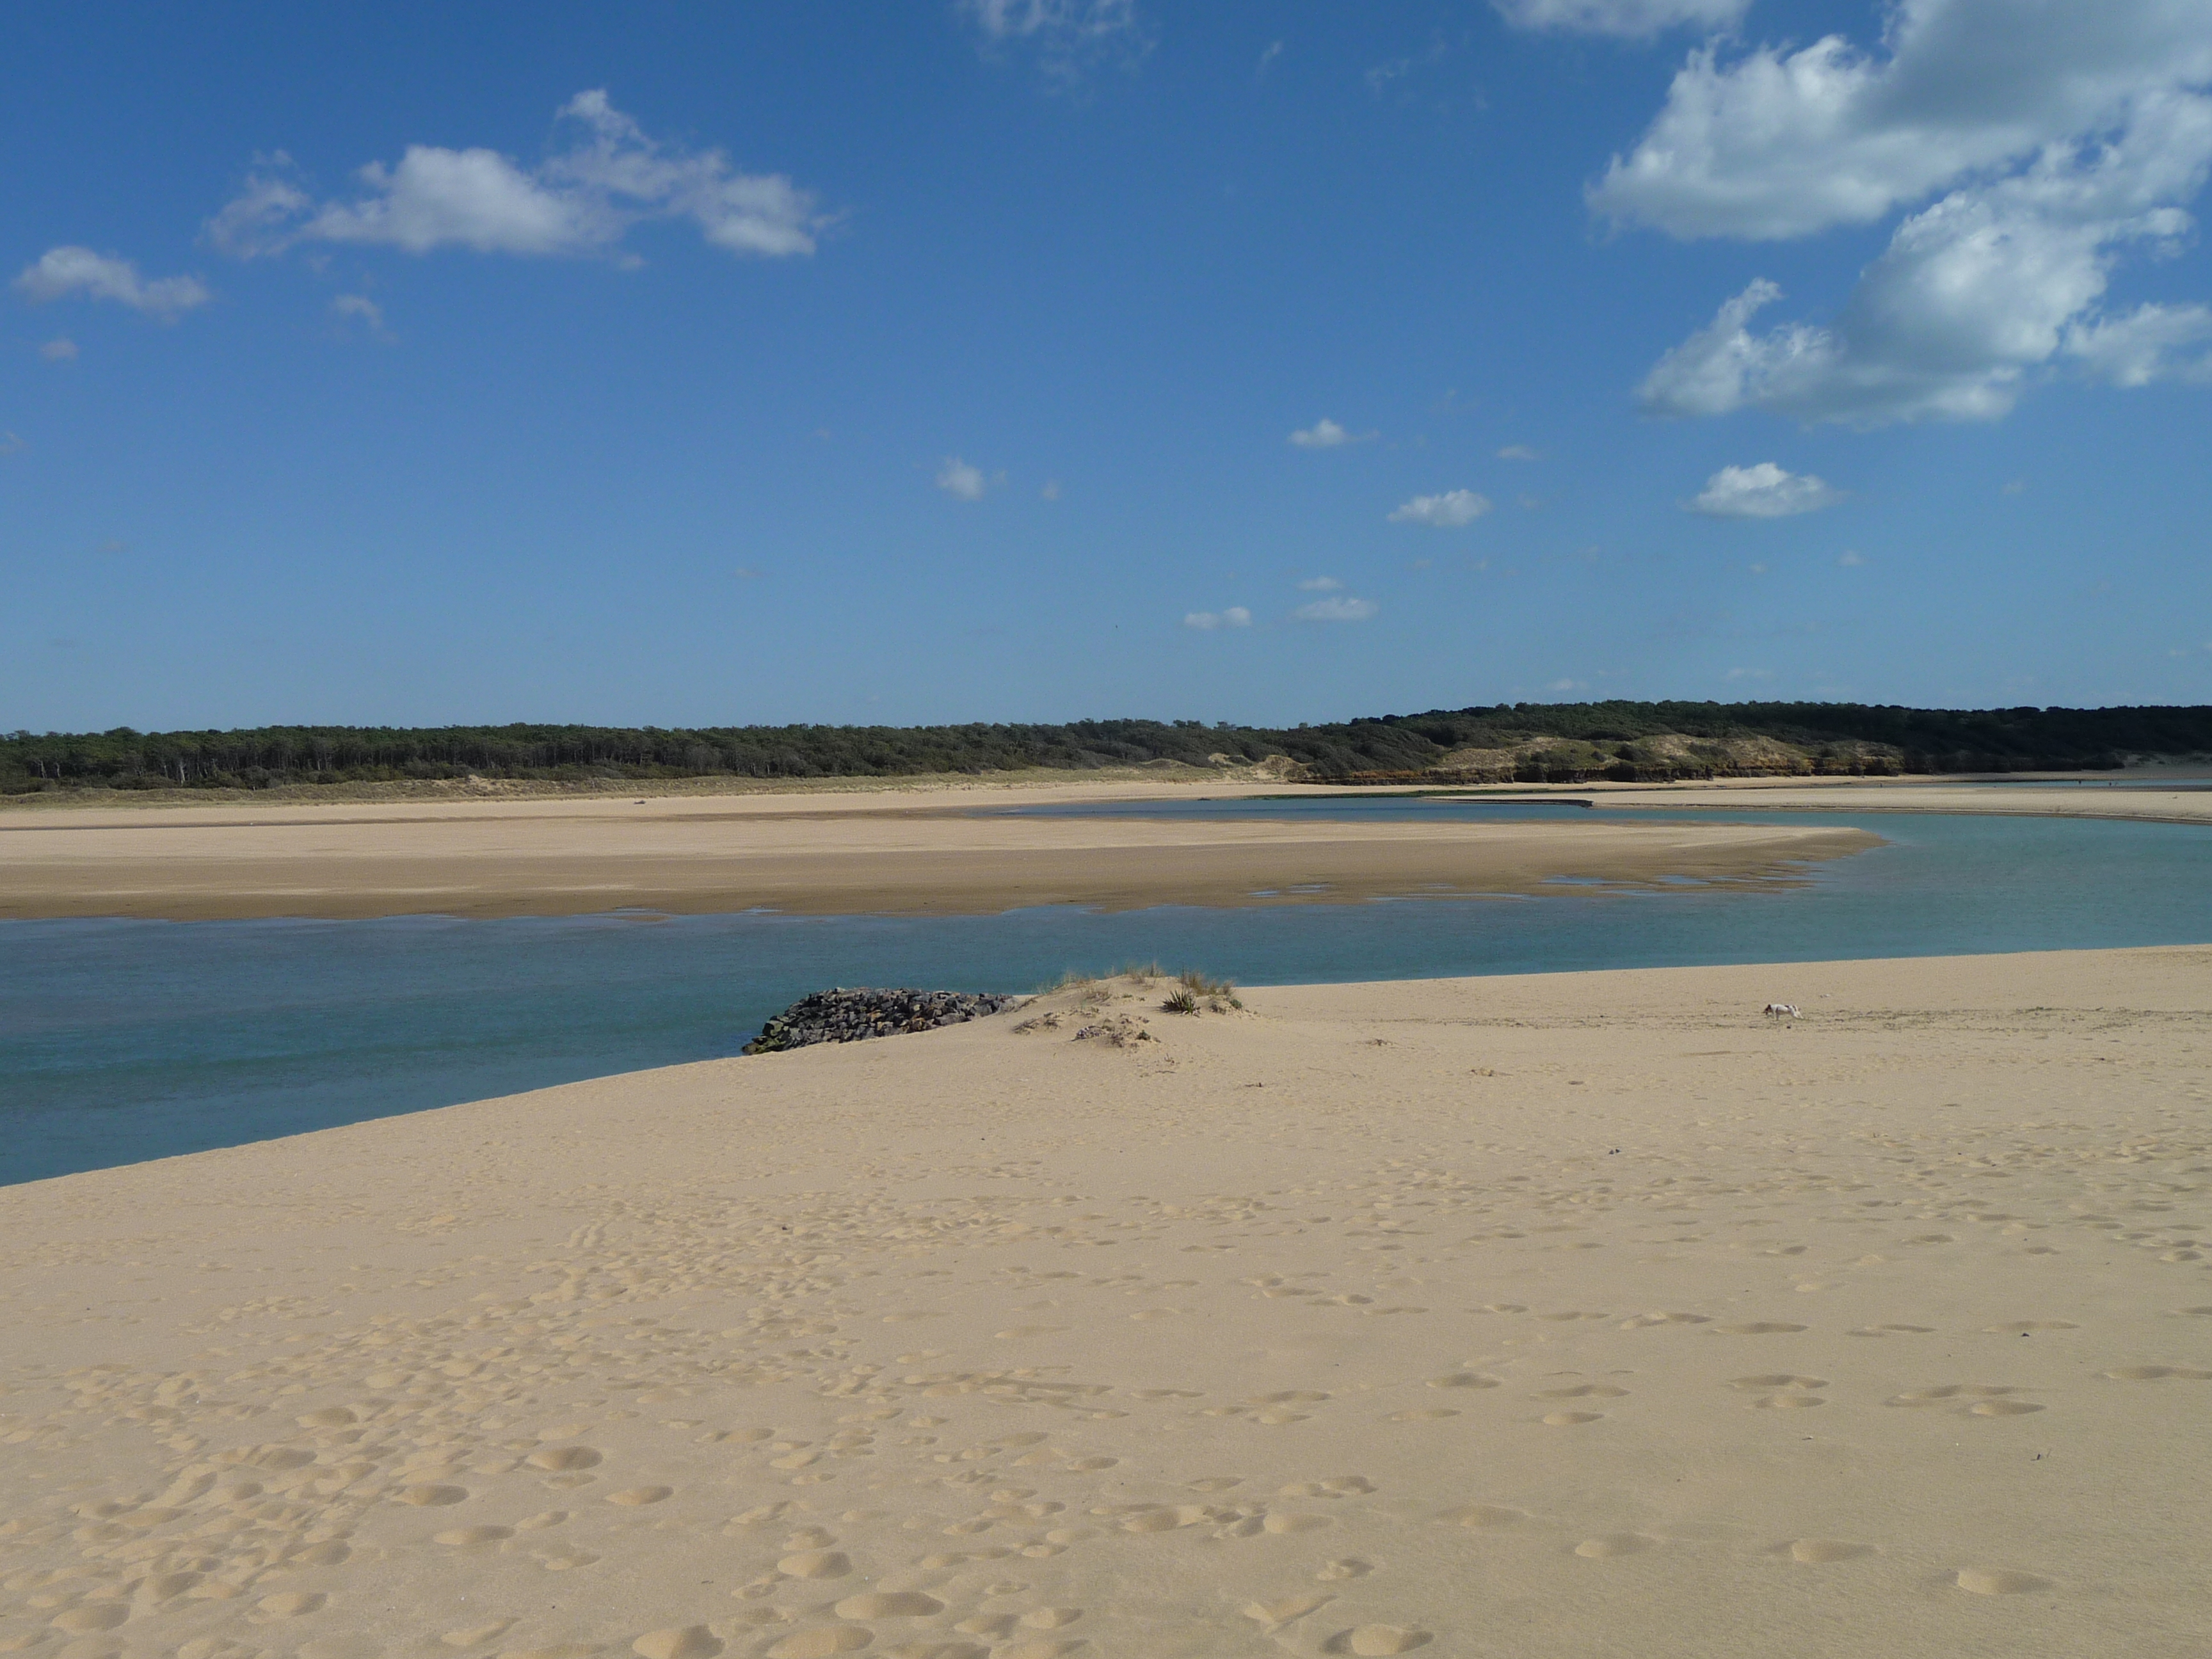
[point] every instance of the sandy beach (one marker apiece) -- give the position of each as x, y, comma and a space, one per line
1576, 1314
893, 851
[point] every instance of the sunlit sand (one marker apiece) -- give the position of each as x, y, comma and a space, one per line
1583, 1313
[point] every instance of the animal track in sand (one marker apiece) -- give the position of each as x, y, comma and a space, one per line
2157, 1374
1988, 1581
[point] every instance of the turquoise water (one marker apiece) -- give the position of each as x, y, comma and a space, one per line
121, 1041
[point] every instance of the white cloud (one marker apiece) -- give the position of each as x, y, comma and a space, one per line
58, 351
1274, 50
1749, 674
1326, 433
1336, 610
1763, 491
955, 478
1636, 19
2065, 136
1518, 453
1234, 616
1319, 584
1064, 33
2144, 345
581, 200
1851, 558
1448, 511
361, 307
62, 271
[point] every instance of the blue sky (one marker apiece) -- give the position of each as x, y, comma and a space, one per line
1042, 359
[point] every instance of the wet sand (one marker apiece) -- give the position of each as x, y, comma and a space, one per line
1573, 1314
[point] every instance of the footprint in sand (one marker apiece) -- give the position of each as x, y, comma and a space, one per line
1759, 1327
1820, 1551
2157, 1374
290, 1604
683, 1642
636, 1496
1606, 1545
1892, 1330
1276, 1614
464, 1537
1583, 1391
475, 1636
1486, 1514
1988, 1581
815, 1563
1348, 1568
1375, 1641
820, 1642
890, 1604
431, 1496
564, 1459
2022, 1327
1570, 1419
1464, 1380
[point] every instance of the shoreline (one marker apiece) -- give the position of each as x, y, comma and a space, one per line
1378, 1317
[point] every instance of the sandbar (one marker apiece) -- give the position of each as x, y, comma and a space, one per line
890, 853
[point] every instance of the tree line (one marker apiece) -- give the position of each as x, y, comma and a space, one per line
1546, 742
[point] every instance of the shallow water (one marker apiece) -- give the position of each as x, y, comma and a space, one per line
124, 1039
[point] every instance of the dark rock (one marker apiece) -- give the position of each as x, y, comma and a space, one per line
854, 1016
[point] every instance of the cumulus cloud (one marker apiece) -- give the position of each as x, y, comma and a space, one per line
1319, 584
1234, 616
65, 270
1763, 491
1338, 609
1326, 433
58, 351
1635, 19
955, 478
1448, 511
2062, 137
583, 199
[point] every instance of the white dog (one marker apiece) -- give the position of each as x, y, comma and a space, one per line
1782, 1009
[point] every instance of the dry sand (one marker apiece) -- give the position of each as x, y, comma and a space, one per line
895, 852
1576, 1314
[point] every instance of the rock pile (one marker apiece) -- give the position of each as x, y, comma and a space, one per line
853, 1016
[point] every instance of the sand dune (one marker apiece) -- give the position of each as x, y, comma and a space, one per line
891, 853
1581, 1313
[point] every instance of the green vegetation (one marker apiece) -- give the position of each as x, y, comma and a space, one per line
1525, 743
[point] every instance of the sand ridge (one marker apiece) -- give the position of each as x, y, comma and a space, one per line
1575, 1313
850, 853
